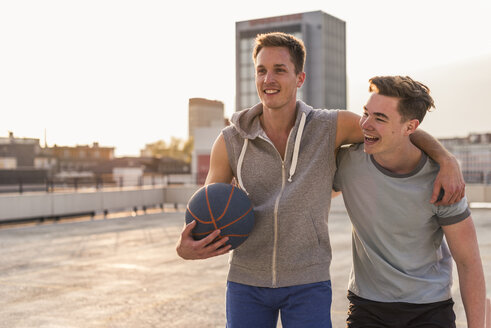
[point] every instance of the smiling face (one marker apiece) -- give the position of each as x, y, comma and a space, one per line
383, 127
276, 81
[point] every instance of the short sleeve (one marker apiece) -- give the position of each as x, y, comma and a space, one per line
448, 215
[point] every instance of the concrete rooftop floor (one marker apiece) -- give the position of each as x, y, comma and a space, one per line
124, 272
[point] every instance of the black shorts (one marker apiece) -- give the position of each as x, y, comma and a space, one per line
363, 313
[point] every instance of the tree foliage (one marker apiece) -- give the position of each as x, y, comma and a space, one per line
176, 148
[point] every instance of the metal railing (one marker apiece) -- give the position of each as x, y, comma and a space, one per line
74, 184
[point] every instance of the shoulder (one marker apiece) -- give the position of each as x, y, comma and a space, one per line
230, 129
428, 172
432, 165
324, 114
352, 150
454, 213
350, 160
448, 214
229, 132
322, 123
350, 154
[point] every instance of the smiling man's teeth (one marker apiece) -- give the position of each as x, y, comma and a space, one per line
270, 91
370, 138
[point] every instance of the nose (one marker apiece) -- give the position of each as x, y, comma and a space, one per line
268, 77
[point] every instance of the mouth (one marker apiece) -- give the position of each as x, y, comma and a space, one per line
271, 91
370, 140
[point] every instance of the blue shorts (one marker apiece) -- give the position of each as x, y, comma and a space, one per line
301, 306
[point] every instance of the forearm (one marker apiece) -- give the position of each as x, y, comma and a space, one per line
431, 146
450, 177
473, 292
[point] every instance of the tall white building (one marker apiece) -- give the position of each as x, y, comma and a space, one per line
324, 37
205, 113
206, 120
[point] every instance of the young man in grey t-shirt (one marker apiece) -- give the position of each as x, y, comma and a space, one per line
402, 266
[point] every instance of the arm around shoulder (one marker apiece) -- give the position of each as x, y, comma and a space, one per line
450, 177
348, 129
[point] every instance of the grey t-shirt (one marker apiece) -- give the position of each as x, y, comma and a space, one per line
399, 254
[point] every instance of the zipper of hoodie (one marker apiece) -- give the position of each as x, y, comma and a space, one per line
276, 208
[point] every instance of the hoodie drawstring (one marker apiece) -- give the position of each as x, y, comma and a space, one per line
296, 150
239, 165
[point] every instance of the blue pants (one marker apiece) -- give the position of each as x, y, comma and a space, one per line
300, 306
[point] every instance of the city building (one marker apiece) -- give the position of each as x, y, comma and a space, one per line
81, 157
205, 113
206, 120
474, 155
18, 152
324, 37
203, 143
134, 171
23, 161
26, 166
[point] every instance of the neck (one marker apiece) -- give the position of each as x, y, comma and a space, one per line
278, 122
277, 125
402, 160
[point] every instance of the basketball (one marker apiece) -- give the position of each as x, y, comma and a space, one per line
221, 206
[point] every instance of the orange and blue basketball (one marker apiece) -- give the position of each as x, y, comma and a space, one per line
221, 206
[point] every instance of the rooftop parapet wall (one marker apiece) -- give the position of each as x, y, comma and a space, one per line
46, 205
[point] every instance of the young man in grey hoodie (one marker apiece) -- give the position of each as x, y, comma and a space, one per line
282, 153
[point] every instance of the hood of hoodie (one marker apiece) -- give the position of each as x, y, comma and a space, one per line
248, 126
247, 122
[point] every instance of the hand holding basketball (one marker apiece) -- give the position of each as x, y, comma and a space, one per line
190, 249
220, 207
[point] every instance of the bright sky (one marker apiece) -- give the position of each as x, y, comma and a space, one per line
120, 72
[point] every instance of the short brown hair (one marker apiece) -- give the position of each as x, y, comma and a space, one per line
279, 39
414, 97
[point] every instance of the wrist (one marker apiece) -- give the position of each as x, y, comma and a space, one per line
446, 160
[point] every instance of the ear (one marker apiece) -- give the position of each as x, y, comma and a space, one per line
300, 79
411, 126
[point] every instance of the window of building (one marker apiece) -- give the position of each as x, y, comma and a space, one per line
8, 163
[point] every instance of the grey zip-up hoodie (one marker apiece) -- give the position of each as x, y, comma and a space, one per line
289, 244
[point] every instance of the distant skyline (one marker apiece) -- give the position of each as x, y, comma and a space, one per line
121, 73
